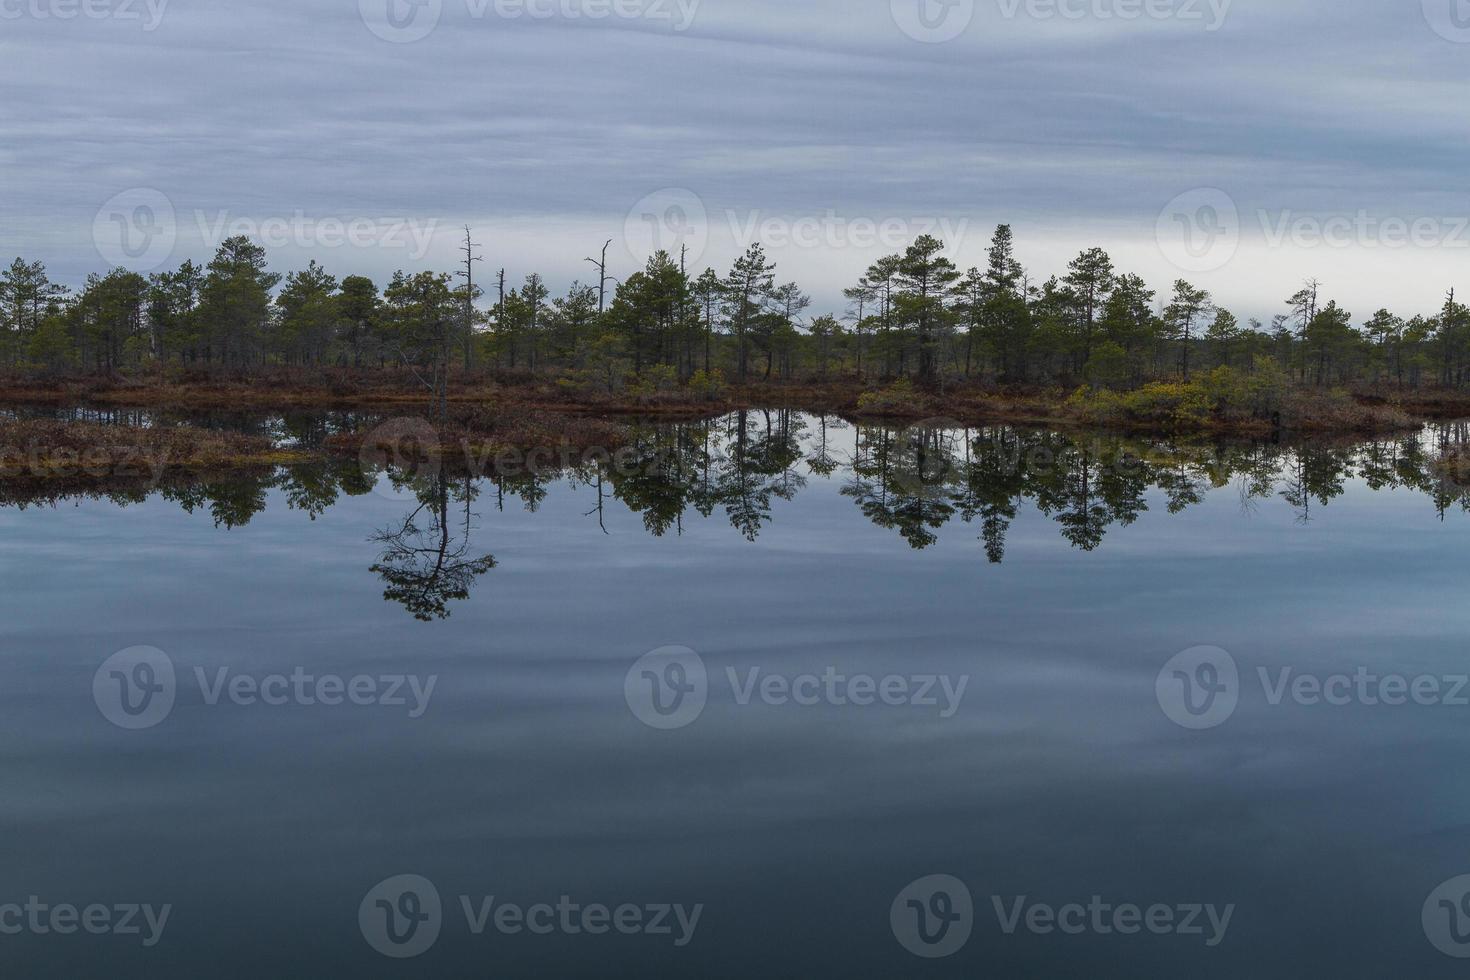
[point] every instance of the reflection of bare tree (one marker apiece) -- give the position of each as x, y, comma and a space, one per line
913, 481
424, 561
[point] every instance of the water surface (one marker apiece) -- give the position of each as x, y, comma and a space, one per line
1056, 576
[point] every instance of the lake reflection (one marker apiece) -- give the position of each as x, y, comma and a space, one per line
918, 482
1046, 578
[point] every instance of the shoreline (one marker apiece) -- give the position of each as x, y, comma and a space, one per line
1157, 409
46, 459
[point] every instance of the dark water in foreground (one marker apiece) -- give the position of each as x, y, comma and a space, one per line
905, 654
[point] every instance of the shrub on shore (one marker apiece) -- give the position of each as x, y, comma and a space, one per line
898, 399
1229, 399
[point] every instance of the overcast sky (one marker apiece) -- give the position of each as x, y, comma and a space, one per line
1284, 138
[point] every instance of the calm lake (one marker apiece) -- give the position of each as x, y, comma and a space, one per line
772, 695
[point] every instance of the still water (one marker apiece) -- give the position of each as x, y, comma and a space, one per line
771, 695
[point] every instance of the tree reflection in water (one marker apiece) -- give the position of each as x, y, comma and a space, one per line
914, 481
425, 560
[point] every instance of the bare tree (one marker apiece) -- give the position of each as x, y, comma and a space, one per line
602, 276
470, 258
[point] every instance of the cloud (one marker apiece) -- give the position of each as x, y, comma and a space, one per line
1063, 118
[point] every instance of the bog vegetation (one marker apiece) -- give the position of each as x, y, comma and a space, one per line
915, 323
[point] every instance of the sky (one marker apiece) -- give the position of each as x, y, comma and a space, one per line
1245, 145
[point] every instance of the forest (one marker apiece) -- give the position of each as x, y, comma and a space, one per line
913, 317
912, 314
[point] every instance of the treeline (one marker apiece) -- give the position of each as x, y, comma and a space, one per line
914, 314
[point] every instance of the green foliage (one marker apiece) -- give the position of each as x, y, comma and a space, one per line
51, 348
1219, 396
358, 318
236, 301
1108, 365
1226, 397
708, 387
661, 379
927, 279
750, 282
898, 398
913, 315
309, 311
607, 359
